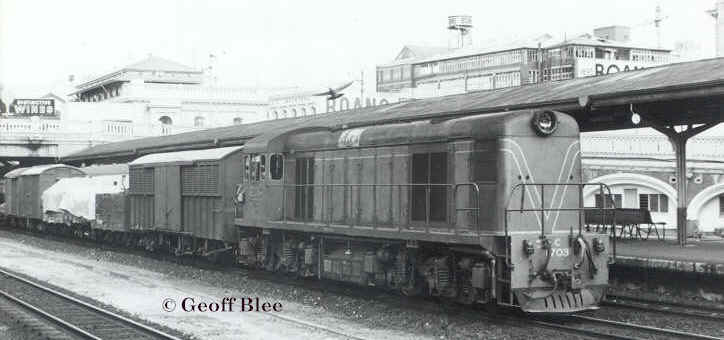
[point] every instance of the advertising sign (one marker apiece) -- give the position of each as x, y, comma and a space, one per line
598, 67
32, 107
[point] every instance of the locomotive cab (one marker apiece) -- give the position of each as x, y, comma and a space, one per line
554, 264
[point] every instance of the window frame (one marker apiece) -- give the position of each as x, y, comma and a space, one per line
279, 170
445, 179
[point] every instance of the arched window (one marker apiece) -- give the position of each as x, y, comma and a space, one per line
199, 121
165, 120
237, 120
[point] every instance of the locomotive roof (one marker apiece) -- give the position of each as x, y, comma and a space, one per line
644, 85
190, 156
36, 170
480, 127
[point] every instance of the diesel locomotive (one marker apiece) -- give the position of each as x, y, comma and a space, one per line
477, 208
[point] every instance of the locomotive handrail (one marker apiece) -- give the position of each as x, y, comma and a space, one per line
581, 208
543, 209
326, 215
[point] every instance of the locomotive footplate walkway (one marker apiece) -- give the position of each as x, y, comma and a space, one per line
698, 256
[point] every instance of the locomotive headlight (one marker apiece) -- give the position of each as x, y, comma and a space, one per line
544, 123
598, 246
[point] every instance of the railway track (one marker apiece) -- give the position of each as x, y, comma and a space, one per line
317, 327
678, 309
86, 321
593, 327
609, 329
76, 318
573, 324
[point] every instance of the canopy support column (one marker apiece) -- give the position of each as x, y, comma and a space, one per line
678, 140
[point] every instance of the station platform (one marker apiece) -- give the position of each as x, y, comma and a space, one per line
704, 256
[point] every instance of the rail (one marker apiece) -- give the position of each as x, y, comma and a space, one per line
351, 210
81, 318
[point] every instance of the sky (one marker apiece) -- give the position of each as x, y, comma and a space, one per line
309, 44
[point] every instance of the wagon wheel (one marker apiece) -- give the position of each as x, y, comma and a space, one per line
468, 298
413, 288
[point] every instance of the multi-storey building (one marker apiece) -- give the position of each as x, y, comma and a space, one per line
471, 69
174, 94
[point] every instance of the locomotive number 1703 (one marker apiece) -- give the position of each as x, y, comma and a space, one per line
556, 248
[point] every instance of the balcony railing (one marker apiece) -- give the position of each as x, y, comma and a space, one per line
711, 148
95, 131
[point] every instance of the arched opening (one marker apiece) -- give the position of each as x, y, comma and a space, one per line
304, 111
635, 191
294, 112
199, 121
165, 120
237, 120
707, 208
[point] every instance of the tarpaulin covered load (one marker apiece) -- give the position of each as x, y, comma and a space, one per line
76, 196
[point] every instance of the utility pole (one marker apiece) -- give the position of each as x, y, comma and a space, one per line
718, 27
362, 86
657, 24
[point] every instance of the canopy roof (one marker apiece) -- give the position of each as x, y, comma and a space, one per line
186, 156
675, 94
36, 170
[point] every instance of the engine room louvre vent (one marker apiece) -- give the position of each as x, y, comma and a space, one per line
141, 180
200, 180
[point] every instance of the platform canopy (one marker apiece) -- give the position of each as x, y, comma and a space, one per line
674, 94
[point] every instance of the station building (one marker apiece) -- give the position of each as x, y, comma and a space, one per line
152, 97
173, 94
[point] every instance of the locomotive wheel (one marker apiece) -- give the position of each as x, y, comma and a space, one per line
469, 298
411, 290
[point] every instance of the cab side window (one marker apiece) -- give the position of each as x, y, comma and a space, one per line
276, 166
254, 168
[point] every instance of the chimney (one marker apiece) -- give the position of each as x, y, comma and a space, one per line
615, 33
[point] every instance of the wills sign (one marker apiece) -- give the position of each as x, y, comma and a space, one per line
33, 107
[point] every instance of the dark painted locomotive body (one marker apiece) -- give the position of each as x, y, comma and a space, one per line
443, 207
